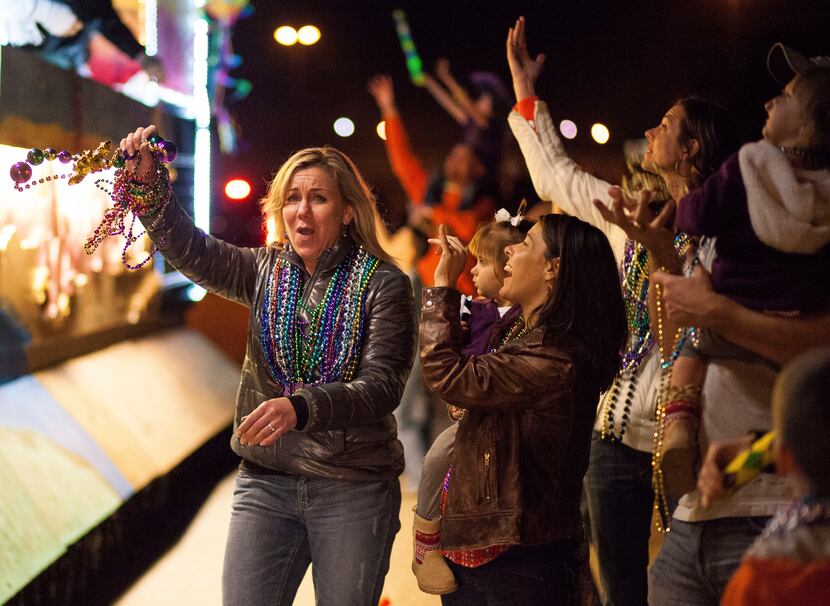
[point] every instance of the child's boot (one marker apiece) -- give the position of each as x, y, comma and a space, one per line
428, 564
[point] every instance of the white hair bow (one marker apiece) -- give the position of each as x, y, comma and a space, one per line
503, 215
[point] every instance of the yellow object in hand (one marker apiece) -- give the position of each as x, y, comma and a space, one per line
749, 463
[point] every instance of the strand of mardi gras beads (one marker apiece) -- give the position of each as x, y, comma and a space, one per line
331, 347
635, 298
129, 194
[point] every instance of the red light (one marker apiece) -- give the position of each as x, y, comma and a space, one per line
237, 189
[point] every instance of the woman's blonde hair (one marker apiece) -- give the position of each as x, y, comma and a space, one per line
352, 187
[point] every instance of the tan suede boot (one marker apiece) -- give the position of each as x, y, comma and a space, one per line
429, 566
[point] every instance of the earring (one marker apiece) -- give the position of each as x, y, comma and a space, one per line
548, 289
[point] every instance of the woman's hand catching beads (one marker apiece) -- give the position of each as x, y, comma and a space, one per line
453, 258
136, 149
267, 423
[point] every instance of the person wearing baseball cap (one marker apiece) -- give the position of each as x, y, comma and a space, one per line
785, 63
766, 216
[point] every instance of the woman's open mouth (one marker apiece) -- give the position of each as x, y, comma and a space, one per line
305, 231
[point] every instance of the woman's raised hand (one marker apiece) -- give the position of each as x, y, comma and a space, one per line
442, 69
640, 223
382, 89
136, 149
453, 258
523, 68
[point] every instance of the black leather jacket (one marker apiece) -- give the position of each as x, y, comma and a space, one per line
350, 432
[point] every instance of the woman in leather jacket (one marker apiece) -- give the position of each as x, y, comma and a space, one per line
330, 346
511, 518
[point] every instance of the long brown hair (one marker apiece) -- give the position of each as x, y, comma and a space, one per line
353, 189
586, 302
717, 135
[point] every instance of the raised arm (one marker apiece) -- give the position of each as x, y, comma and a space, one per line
445, 100
221, 268
459, 94
507, 380
405, 164
556, 177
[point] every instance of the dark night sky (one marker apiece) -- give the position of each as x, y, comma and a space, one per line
620, 62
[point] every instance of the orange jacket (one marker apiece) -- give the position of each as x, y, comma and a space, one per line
414, 180
779, 582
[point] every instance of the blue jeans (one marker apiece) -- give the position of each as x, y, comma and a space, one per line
698, 559
526, 575
620, 499
281, 523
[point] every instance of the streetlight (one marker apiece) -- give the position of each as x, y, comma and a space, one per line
286, 35
600, 133
308, 35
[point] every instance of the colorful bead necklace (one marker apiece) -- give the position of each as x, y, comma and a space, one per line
806, 511
517, 330
325, 348
640, 339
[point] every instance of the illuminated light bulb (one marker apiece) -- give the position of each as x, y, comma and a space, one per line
381, 129
600, 133
568, 129
308, 35
344, 127
286, 35
237, 189
81, 280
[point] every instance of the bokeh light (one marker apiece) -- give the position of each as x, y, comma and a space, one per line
568, 129
381, 129
285, 35
600, 133
308, 35
237, 189
344, 127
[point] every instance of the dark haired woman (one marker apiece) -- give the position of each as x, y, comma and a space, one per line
511, 520
691, 141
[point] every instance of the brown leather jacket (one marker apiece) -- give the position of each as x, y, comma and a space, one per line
350, 432
522, 447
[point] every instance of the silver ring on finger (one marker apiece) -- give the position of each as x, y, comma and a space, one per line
272, 428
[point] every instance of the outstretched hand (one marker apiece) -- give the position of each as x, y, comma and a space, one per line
442, 69
382, 89
524, 69
140, 164
640, 223
453, 258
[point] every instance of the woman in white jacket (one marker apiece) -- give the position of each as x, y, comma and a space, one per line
691, 141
